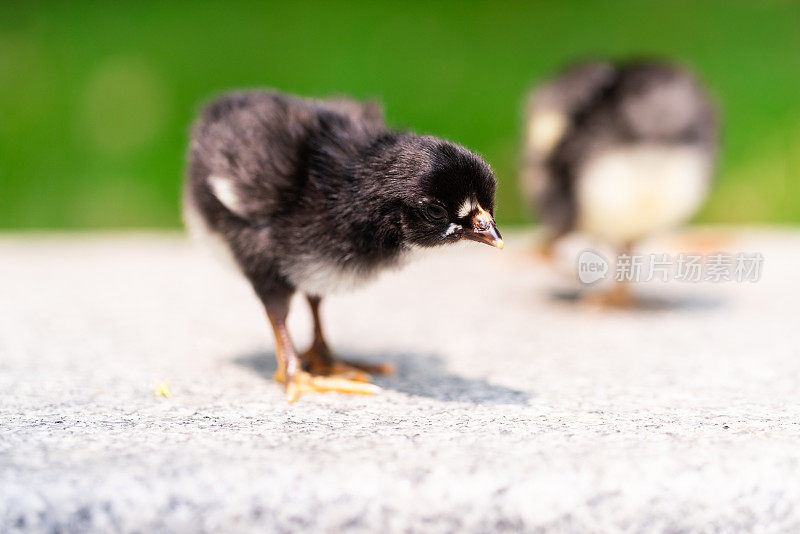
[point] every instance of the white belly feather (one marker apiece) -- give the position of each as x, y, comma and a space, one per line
323, 278
627, 193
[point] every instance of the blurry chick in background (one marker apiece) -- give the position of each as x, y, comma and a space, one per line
319, 196
618, 151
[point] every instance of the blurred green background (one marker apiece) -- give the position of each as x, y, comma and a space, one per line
96, 97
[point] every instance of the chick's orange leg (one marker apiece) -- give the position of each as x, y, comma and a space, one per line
620, 294
319, 360
289, 373
544, 248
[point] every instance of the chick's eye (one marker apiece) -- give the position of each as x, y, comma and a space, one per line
435, 212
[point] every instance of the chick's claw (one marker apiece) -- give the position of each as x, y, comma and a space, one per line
371, 368
342, 370
303, 382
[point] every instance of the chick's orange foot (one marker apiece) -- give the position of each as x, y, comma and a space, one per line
302, 382
619, 296
319, 361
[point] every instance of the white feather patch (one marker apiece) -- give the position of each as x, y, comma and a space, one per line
467, 207
452, 228
226, 193
627, 193
545, 130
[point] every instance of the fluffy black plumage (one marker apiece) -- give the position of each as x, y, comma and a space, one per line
319, 195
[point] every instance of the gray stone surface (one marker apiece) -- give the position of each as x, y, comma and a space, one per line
512, 409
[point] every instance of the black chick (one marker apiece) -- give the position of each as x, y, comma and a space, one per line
618, 151
319, 196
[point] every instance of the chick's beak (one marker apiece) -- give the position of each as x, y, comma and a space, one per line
483, 229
